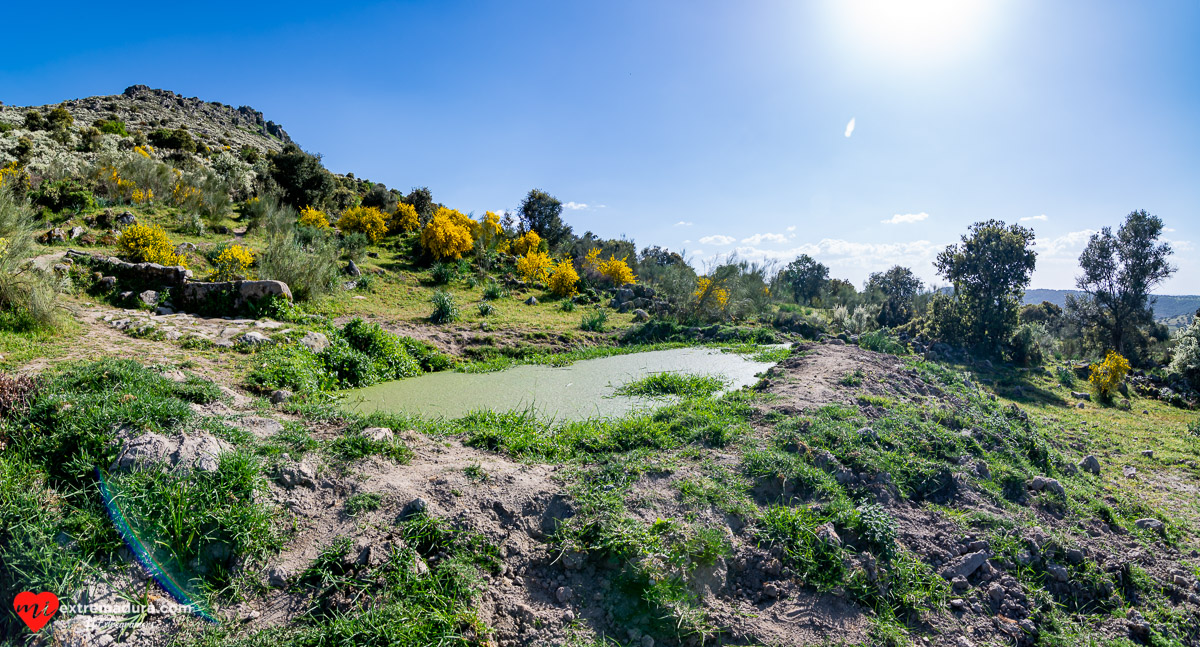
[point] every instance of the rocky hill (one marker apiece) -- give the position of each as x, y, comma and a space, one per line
143, 108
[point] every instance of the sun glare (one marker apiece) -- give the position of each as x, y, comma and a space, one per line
912, 30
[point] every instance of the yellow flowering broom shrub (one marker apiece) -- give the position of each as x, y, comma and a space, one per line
448, 234
233, 263
1106, 377
534, 266
530, 242
617, 270
707, 294
563, 278
314, 218
368, 220
489, 230
404, 219
148, 244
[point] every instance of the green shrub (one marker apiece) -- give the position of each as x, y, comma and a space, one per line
444, 309
881, 342
494, 291
386, 349
310, 269
442, 273
111, 127
486, 309
567, 305
28, 300
178, 139
594, 321
63, 195
659, 384
354, 244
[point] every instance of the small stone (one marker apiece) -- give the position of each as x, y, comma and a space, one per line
148, 297
352, 269
1148, 453
957, 604
163, 311
379, 434
564, 594
572, 561
278, 576
279, 396
773, 567
314, 341
254, 338
1153, 525
771, 590
531, 301
1075, 556
1059, 573
960, 583
640, 315
1180, 581
996, 594
1090, 464
647, 641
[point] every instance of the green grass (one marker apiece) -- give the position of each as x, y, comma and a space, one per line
673, 384
363, 502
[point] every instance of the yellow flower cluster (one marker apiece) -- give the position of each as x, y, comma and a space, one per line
143, 197
1107, 376
617, 271
531, 241
314, 218
404, 219
564, 278
705, 291
534, 266
368, 220
13, 177
233, 263
183, 193
144, 151
448, 234
3, 246
121, 188
489, 229
148, 244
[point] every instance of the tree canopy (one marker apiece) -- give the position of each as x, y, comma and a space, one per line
804, 278
542, 213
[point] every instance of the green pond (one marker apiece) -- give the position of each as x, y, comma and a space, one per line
579, 391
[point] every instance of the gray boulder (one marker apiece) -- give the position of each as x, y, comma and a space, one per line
1090, 464
640, 315
196, 294
254, 338
314, 341
352, 269
966, 566
148, 297
531, 301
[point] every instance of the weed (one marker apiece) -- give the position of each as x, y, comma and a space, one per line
444, 308
363, 502
681, 384
853, 379
594, 321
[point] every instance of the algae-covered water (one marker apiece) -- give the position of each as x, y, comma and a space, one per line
582, 390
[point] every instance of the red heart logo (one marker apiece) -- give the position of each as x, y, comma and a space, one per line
36, 610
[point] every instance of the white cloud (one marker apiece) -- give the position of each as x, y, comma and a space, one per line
850, 127
686, 242
684, 223
1067, 243
791, 228
576, 206
1169, 230
718, 239
1042, 217
852, 257
905, 218
757, 239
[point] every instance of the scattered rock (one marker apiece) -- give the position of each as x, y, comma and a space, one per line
1090, 464
51, 236
126, 218
352, 269
966, 565
1041, 483
771, 590
1148, 453
640, 315
278, 576
827, 534
378, 434
564, 594
197, 294
1080, 395
314, 341
75, 232
107, 283
254, 338
303, 474
279, 396
1153, 525
148, 297
163, 311
531, 301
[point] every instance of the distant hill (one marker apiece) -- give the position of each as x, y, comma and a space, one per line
1174, 310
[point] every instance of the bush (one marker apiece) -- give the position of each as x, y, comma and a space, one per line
178, 139
617, 271
1023, 346
1186, 360
27, 298
534, 266
564, 279
232, 264
594, 321
881, 342
314, 218
443, 273
367, 220
444, 309
386, 350
530, 242
1107, 376
486, 309
567, 305
301, 178
494, 291
111, 127
404, 219
258, 211
448, 234
309, 267
354, 244
63, 195
148, 244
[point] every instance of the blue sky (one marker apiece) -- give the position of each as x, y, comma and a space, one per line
709, 127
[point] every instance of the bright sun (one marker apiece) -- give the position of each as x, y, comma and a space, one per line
912, 30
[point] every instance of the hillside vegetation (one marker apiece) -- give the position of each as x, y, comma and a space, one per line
954, 468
